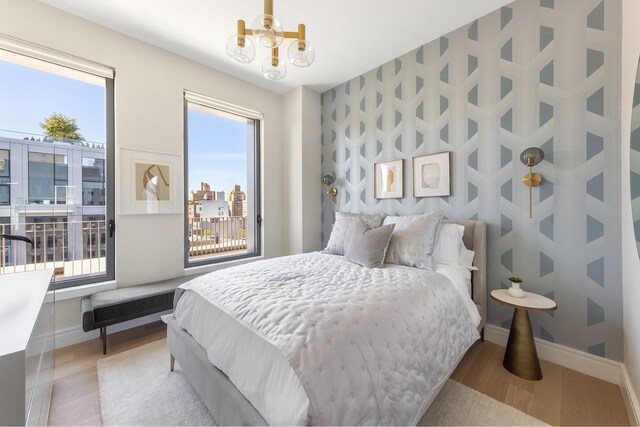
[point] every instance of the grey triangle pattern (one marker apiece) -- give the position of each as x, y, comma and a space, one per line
506, 52
506, 14
547, 265
472, 32
546, 74
595, 229
595, 60
597, 349
444, 45
506, 86
506, 155
444, 74
545, 335
547, 35
595, 19
547, 147
472, 64
595, 103
506, 225
546, 227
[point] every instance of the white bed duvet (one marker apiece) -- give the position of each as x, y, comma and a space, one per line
314, 339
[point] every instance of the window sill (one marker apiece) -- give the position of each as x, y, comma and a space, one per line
202, 269
84, 290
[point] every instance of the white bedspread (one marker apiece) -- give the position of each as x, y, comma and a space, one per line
315, 339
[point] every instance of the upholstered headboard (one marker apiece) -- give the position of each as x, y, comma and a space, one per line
475, 238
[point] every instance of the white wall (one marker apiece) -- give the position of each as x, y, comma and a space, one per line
149, 115
630, 260
301, 114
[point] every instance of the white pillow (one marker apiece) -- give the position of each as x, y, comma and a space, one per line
343, 229
450, 248
414, 239
466, 258
449, 244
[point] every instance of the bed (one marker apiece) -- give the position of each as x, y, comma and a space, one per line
332, 343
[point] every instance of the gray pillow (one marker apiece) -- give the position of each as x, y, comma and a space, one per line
343, 228
414, 239
368, 246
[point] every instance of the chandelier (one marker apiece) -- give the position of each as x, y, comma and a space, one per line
270, 33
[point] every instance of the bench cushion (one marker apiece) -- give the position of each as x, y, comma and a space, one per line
119, 305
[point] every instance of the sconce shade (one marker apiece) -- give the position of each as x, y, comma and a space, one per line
327, 180
532, 156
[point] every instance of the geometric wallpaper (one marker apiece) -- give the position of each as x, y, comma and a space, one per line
539, 73
635, 160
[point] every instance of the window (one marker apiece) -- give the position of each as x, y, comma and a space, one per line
5, 179
222, 207
93, 191
48, 178
56, 164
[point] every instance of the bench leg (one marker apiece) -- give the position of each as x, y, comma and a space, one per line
172, 362
482, 335
103, 338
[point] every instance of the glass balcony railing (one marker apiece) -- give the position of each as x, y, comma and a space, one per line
72, 248
210, 237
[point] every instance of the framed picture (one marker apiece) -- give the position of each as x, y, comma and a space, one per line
388, 180
432, 175
148, 183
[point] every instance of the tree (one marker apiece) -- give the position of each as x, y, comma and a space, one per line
61, 126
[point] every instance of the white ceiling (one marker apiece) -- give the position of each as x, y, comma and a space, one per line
351, 37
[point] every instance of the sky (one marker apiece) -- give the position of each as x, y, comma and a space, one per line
217, 146
217, 152
28, 96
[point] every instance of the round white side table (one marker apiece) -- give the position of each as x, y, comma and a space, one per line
520, 356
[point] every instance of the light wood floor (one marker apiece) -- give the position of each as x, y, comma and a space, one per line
563, 397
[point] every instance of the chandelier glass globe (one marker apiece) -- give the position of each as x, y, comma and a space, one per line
241, 49
273, 68
268, 31
301, 53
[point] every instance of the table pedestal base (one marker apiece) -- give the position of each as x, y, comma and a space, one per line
521, 357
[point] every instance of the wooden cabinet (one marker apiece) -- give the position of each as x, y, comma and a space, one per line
27, 334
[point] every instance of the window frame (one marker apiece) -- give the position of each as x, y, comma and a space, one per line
110, 198
45, 59
194, 98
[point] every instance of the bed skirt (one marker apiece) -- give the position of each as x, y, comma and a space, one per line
227, 405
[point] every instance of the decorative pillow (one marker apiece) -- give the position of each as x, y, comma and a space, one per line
343, 228
414, 239
449, 244
466, 258
368, 246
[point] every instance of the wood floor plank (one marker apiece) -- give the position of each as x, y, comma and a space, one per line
545, 404
562, 397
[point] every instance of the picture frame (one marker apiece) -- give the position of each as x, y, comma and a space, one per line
149, 182
389, 179
432, 175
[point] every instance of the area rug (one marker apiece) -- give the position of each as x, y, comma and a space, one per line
137, 388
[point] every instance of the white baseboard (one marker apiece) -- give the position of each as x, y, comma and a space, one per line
595, 366
630, 398
75, 335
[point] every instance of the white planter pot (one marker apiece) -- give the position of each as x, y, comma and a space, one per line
515, 290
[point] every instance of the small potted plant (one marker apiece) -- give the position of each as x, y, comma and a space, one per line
515, 290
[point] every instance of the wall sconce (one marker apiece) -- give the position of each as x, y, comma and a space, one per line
530, 158
328, 180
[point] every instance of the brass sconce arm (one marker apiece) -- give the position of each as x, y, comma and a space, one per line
530, 158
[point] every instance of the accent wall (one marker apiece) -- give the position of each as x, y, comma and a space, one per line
539, 73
